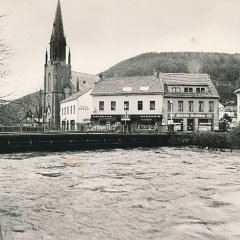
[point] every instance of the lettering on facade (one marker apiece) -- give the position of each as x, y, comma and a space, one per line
84, 108
190, 115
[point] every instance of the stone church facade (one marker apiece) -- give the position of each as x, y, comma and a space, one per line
60, 81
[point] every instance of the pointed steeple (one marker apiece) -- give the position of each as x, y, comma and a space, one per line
58, 40
69, 57
46, 57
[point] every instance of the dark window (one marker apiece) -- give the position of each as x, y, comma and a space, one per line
169, 106
113, 105
186, 90
152, 105
126, 105
190, 106
200, 90
180, 106
211, 106
140, 105
200, 106
101, 105
49, 82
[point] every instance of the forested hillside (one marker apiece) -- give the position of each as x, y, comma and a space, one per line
224, 69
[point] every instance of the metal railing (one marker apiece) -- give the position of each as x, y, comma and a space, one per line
33, 127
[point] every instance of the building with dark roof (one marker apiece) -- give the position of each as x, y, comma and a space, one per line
60, 81
133, 102
190, 101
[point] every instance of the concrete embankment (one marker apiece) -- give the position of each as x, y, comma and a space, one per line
77, 141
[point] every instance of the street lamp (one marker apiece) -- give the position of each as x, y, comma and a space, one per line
171, 110
125, 124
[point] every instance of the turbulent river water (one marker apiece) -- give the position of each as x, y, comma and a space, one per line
157, 193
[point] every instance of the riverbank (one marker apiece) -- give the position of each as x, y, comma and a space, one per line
213, 140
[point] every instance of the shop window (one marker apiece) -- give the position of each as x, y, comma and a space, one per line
126, 105
113, 105
211, 106
72, 124
180, 106
201, 106
190, 106
101, 105
140, 105
152, 105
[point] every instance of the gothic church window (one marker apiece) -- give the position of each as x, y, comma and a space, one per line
49, 82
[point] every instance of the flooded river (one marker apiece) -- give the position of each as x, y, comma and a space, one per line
139, 194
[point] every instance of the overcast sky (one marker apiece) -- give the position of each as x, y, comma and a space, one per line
102, 33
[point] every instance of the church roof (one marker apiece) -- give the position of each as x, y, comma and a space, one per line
85, 80
57, 31
76, 95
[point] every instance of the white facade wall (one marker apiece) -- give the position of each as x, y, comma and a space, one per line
133, 104
83, 109
238, 107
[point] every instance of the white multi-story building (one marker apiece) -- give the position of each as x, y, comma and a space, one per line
76, 110
237, 92
133, 102
190, 101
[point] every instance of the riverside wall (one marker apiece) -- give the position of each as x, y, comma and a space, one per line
78, 141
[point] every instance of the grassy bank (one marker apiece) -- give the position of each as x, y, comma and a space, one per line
214, 140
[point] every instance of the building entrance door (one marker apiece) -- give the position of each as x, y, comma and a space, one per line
190, 124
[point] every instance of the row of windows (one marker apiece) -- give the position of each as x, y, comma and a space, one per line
126, 105
188, 90
190, 106
68, 110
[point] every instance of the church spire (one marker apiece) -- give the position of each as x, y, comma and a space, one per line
58, 40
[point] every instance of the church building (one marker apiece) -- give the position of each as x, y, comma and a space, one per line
60, 82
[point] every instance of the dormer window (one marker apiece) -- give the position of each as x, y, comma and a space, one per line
127, 89
144, 89
188, 90
200, 90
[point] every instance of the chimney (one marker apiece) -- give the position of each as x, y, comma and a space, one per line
100, 76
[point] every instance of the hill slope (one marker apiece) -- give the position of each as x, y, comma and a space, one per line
224, 69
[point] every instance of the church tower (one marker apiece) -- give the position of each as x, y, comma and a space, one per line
57, 72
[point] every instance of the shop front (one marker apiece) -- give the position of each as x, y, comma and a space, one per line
129, 123
192, 121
